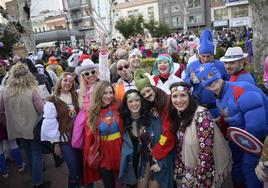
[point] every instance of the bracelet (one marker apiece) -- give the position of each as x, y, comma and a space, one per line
103, 51
149, 147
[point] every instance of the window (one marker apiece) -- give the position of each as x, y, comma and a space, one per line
239, 11
175, 7
165, 9
220, 14
195, 19
166, 20
132, 13
176, 21
74, 3
136, 12
150, 12
194, 3
217, 1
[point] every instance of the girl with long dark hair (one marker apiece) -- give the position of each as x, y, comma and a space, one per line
202, 155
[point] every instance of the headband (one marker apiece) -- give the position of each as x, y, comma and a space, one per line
132, 95
179, 88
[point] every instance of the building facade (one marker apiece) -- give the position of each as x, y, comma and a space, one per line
230, 13
175, 12
123, 9
77, 15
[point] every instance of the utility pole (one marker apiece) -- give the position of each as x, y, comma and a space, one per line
67, 16
185, 16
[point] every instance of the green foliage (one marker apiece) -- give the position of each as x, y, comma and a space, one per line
9, 37
130, 26
163, 29
250, 68
148, 63
219, 53
242, 44
157, 29
135, 25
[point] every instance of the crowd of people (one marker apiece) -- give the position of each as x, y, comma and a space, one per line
112, 119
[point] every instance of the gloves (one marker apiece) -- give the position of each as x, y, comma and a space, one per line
145, 138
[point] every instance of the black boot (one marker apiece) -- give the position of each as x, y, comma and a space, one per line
46, 184
58, 160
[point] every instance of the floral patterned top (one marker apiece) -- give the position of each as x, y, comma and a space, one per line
201, 172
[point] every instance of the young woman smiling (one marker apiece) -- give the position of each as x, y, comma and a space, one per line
63, 106
202, 155
141, 132
104, 118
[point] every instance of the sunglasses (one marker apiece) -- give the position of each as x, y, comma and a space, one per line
121, 68
92, 72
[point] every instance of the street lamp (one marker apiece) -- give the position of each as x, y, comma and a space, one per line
66, 14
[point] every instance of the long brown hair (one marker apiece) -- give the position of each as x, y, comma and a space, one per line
95, 105
58, 85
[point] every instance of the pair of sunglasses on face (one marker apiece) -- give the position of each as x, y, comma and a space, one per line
88, 73
121, 68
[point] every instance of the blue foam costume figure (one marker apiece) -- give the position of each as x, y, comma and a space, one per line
245, 106
205, 98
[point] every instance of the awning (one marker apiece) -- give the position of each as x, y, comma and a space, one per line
46, 44
57, 35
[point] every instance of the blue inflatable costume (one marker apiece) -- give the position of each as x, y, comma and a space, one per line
242, 105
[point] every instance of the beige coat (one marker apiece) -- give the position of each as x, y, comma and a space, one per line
20, 115
221, 152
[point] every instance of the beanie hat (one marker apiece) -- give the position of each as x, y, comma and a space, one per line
207, 73
163, 57
206, 42
52, 61
83, 56
143, 79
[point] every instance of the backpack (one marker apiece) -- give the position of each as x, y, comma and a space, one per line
46, 146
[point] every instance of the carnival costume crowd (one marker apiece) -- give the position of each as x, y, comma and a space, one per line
110, 118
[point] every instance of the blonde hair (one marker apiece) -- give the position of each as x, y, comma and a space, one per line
19, 80
83, 89
95, 105
58, 85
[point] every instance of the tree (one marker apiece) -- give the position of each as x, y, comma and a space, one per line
9, 37
260, 33
130, 26
23, 25
157, 29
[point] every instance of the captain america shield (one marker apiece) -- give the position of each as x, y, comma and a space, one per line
245, 140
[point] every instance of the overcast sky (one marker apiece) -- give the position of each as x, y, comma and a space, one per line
41, 5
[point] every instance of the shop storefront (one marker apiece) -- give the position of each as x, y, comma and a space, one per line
240, 22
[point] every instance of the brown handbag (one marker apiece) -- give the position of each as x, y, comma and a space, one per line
95, 155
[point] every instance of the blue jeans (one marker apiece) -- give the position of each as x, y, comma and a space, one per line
74, 160
243, 170
33, 153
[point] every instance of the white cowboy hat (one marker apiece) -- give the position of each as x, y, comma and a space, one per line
233, 54
86, 64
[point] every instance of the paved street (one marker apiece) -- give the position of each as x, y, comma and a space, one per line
58, 176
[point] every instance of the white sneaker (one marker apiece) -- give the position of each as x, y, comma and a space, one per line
5, 175
21, 169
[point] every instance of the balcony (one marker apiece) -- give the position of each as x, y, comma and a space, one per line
229, 3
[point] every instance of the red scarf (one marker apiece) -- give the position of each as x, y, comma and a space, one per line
234, 77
